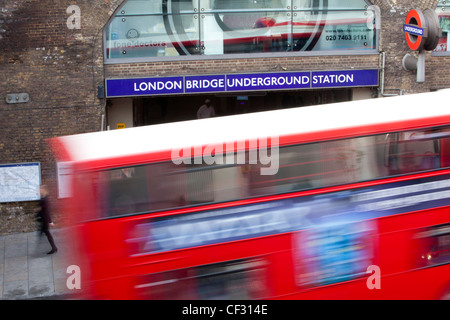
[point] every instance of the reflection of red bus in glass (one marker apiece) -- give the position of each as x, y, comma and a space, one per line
248, 32
444, 21
183, 211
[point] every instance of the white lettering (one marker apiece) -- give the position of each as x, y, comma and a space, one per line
74, 280
158, 86
258, 150
273, 160
305, 80
374, 281
199, 310
213, 154
332, 79
74, 20
413, 30
185, 157
143, 86
317, 79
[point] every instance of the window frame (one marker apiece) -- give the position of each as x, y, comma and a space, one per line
439, 6
225, 56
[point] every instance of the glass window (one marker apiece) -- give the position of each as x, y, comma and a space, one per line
323, 164
194, 181
149, 33
343, 30
433, 245
443, 12
231, 280
140, 7
143, 29
127, 191
412, 151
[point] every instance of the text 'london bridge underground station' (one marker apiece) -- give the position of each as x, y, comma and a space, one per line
240, 82
248, 82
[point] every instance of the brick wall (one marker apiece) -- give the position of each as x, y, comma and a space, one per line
240, 65
60, 68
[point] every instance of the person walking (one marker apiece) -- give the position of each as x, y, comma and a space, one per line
45, 219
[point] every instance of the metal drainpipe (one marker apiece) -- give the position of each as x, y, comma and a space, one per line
381, 90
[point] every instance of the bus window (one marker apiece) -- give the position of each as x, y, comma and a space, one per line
300, 168
167, 185
412, 151
369, 157
445, 152
127, 191
193, 184
322, 164
241, 280
229, 182
169, 285
231, 280
200, 185
341, 158
434, 244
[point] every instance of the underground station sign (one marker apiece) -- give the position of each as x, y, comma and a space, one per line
240, 82
422, 30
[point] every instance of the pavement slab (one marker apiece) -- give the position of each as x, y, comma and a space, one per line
28, 272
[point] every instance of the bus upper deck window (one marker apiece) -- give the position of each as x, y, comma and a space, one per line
412, 151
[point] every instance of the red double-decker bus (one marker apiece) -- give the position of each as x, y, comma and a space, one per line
339, 201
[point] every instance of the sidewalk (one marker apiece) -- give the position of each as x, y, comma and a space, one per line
27, 271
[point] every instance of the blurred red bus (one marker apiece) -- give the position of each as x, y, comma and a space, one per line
288, 204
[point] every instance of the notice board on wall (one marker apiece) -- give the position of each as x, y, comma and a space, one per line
20, 182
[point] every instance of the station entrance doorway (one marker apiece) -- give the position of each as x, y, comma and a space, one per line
141, 111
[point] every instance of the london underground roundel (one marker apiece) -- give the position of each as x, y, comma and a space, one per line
422, 30
414, 30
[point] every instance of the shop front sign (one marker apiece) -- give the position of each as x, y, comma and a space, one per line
240, 82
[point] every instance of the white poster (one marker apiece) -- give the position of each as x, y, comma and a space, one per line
64, 170
20, 182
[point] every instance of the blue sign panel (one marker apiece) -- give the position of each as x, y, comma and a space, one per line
240, 82
144, 86
343, 78
201, 84
268, 81
417, 31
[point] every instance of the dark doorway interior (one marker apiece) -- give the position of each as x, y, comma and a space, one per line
163, 109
